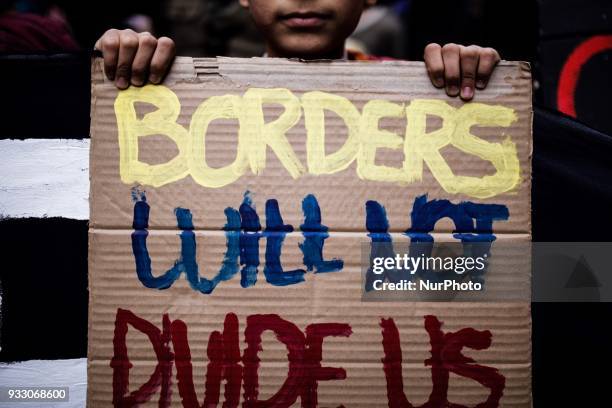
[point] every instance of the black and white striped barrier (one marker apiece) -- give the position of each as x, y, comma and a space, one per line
44, 209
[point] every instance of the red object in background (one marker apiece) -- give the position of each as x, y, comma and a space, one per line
570, 74
28, 32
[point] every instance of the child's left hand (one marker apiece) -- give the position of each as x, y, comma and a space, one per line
460, 69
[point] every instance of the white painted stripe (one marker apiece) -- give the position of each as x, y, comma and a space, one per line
44, 178
47, 373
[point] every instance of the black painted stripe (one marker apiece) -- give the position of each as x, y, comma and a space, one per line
44, 285
45, 96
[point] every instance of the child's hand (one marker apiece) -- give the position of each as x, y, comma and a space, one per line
460, 69
133, 58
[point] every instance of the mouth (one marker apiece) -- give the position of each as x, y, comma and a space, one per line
305, 19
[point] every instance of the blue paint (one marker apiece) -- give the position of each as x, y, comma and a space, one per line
473, 224
187, 262
184, 220
229, 267
485, 215
425, 215
275, 233
137, 195
141, 254
249, 242
482, 235
315, 235
188, 251
377, 225
141, 217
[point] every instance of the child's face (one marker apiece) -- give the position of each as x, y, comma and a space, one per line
305, 28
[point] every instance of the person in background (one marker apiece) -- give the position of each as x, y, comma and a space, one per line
380, 32
204, 28
34, 26
306, 29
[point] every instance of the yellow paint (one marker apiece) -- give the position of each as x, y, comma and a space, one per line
262, 135
314, 105
364, 139
457, 123
162, 121
216, 107
372, 138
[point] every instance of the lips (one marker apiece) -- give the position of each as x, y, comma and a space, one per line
305, 20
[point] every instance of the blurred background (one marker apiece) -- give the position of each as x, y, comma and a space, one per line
568, 43
547, 33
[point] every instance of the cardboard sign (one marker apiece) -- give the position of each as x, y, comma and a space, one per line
229, 211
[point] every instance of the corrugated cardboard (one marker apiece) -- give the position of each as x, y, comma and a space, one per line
371, 368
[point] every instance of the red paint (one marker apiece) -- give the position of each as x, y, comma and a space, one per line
121, 364
232, 369
223, 364
315, 333
293, 338
305, 354
570, 74
445, 358
392, 365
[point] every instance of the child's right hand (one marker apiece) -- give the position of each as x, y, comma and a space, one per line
133, 58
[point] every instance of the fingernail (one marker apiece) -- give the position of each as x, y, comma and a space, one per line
467, 93
480, 84
438, 83
453, 90
122, 83
154, 78
136, 81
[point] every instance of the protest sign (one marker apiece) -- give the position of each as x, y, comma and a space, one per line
229, 211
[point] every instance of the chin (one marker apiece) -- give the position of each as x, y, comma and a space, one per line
307, 47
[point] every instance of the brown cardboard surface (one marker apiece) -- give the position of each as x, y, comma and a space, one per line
370, 378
